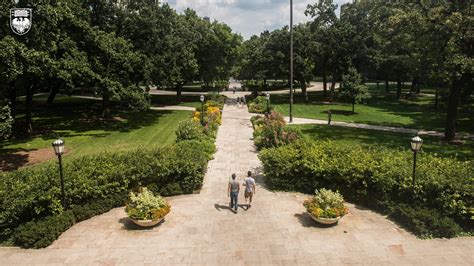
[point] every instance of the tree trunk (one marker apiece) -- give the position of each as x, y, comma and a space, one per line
436, 98
264, 84
333, 86
399, 88
105, 102
325, 85
12, 97
29, 108
415, 85
353, 107
452, 110
387, 87
52, 94
179, 91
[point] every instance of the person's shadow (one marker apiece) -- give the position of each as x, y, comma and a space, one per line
220, 207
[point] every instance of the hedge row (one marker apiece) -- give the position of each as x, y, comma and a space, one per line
442, 197
34, 193
43, 232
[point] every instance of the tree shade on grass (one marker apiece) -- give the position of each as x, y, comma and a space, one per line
379, 110
185, 100
79, 123
390, 140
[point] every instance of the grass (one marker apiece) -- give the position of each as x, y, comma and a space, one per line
186, 100
391, 140
78, 122
379, 110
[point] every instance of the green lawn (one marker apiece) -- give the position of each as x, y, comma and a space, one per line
78, 122
355, 136
186, 100
379, 110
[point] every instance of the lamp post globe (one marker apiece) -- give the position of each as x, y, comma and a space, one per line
416, 143
202, 98
58, 146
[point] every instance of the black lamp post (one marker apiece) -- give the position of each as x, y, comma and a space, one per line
415, 147
267, 96
202, 109
58, 146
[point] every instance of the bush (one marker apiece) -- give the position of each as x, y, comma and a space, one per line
189, 130
40, 234
259, 105
270, 131
33, 193
376, 178
425, 222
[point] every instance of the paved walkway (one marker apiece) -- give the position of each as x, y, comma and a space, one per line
302, 121
201, 230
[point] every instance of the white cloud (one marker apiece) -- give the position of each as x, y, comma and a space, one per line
249, 17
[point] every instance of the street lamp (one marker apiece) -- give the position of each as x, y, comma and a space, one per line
291, 61
58, 146
202, 109
415, 147
267, 95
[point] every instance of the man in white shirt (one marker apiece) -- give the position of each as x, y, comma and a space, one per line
249, 184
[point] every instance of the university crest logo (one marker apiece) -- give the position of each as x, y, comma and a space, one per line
21, 20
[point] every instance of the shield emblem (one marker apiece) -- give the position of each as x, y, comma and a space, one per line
21, 20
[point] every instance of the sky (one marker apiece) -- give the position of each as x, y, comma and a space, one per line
249, 17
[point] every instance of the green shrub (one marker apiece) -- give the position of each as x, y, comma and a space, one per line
259, 105
270, 131
33, 193
97, 207
40, 234
376, 178
425, 222
189, 130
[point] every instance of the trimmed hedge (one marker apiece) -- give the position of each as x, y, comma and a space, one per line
34, 194
378, 178
40, 234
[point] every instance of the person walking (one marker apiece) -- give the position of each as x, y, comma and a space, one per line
329, 117
233, 190
249, 184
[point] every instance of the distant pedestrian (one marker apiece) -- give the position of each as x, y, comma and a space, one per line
249, 184
233, 190
329, 117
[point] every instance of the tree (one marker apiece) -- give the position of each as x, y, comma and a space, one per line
352, 87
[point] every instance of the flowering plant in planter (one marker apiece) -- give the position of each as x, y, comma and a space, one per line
146, 206
326, 204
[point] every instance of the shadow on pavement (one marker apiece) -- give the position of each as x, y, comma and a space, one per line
131, 226
306, 221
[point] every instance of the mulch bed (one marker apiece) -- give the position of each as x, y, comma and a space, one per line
18, 159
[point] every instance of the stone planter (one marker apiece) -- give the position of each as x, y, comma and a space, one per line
147, 223
327, 221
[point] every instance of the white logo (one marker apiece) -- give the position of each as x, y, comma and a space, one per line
21, 20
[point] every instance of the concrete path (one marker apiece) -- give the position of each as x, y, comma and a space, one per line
200, 230
303, 121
